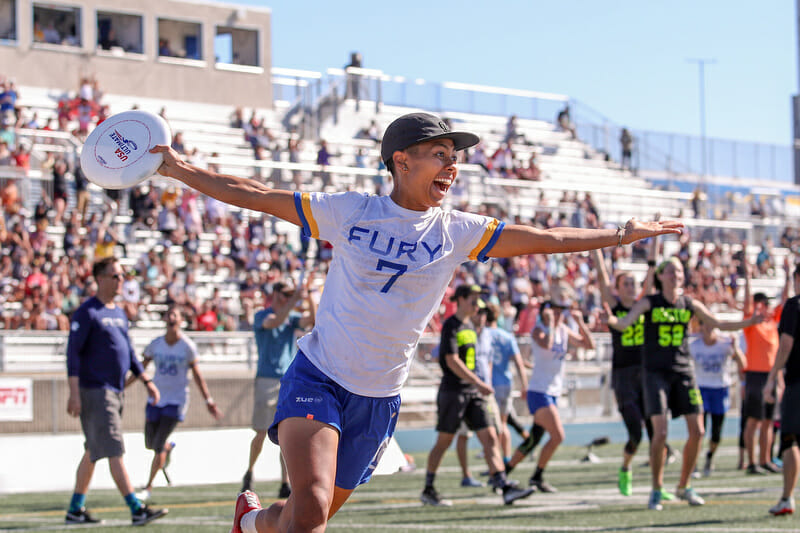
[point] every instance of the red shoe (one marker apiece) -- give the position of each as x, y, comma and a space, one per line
246, 502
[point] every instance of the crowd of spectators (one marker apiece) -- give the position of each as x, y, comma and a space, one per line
218, 263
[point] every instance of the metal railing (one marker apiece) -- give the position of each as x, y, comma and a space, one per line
659, 151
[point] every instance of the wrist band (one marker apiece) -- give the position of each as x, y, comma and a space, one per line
147, 381
620, 233
209, 400
651, 263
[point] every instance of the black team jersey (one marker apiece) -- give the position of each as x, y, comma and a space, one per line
790, 324
666, 346
627, 344
457, 337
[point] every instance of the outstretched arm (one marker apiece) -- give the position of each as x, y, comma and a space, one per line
724, 325
242, 192
523, 240
620, 324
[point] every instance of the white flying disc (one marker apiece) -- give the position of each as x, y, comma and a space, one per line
116, 154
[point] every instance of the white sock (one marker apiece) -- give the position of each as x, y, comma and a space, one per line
248, 522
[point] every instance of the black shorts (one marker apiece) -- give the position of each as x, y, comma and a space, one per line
456, 406
753, 404
156, 432
627, 385
673, 391
790, 414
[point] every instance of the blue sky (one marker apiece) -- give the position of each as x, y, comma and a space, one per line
626, 59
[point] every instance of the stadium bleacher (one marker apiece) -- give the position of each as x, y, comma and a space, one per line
570, 168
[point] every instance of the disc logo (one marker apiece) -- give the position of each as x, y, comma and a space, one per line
123, 145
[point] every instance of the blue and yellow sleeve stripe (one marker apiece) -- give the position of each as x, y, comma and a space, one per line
302, 202
490, 236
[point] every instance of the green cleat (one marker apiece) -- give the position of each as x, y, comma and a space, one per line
625, 482
666, 495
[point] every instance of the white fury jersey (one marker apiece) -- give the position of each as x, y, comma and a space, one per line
390, 269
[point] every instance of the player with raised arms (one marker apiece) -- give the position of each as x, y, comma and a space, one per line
393, 259
668, 370
626, 360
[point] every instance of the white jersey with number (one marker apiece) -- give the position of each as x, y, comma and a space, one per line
712, 363
172, 362
389, 272
547, 376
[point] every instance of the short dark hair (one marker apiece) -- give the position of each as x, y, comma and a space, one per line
492, 311
100, 266
282, 287
760, 297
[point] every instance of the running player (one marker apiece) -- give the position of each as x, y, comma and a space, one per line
712, 352
174, 355
552, 340
465, 396
393, 259
668, 377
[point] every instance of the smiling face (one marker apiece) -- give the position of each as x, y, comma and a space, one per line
424, 173
627, 288
671, 277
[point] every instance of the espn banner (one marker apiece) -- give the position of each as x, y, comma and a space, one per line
16, 399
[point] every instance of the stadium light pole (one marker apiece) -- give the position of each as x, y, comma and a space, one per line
701, 66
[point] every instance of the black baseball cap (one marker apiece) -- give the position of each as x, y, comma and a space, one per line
415, 128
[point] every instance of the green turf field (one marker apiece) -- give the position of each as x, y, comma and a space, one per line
588, 501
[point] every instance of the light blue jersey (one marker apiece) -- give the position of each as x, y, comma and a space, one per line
504, 348
276, 346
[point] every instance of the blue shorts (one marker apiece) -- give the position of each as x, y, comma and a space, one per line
306, 392
154, 414
537, 400
715, 401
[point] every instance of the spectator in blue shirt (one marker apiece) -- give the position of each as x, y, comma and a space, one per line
99, 355
275, 330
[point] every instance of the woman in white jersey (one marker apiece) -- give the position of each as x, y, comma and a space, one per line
174, 355
394, 257
712, 352
552, 340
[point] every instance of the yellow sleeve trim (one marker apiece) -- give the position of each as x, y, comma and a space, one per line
487, 236
312, 223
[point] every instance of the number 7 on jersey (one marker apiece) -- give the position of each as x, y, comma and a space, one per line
388, 265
